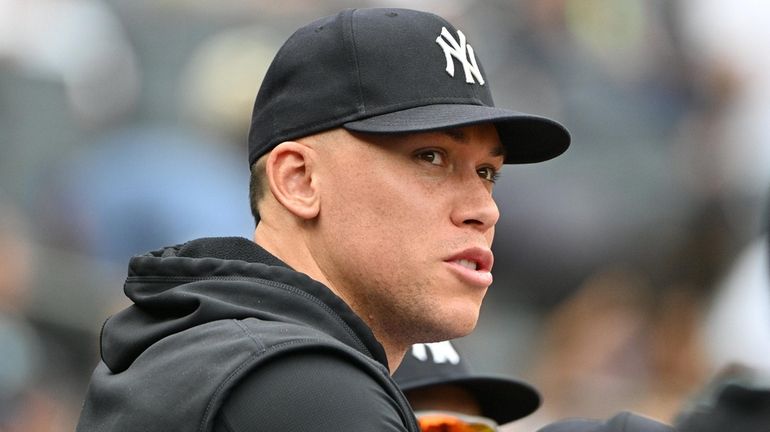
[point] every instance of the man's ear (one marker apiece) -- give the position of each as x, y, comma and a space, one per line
289, 171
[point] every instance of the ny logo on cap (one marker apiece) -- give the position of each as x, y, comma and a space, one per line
443, 352
462, 52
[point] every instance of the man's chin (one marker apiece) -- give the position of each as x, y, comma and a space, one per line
456, 326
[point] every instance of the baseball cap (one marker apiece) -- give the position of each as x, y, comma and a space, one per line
501, 398
387, 71
622, 422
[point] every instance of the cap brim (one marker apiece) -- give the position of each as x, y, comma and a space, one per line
501, 399
527, 138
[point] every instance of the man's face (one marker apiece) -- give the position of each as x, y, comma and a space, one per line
405, 227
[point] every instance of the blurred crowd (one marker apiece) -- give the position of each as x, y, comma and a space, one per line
630, 272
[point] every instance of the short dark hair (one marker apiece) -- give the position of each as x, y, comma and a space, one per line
257, 186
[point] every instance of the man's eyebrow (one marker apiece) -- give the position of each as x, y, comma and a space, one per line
456, 134
460, 136
498, 151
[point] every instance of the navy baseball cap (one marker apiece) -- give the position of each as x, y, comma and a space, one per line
621, 422
500, 398
387, 71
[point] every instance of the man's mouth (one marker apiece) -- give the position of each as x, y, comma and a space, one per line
473, 258
472, 265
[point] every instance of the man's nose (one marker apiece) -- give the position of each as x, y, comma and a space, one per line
474, 205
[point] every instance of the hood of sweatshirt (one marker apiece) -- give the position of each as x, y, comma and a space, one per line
176, 288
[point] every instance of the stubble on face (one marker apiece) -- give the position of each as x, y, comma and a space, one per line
399, 301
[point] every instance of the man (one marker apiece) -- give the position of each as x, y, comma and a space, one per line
374, 147
447, 395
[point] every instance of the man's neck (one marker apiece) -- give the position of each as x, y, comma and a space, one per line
395, 354
299, 258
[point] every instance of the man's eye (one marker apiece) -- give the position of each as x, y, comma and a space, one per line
433, 156
488, 173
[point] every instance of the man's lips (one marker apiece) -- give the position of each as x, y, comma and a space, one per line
474, 258
473, 265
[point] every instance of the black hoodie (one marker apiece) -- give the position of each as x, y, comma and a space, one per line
214, 313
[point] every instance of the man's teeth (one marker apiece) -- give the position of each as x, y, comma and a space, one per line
467, 264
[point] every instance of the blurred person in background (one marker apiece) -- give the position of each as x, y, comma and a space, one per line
592, 348
611, 345
373, 200
625, 340
448, 396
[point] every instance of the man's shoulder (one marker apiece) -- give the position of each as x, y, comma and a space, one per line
312, 390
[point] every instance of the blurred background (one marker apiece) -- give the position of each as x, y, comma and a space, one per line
629, 272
